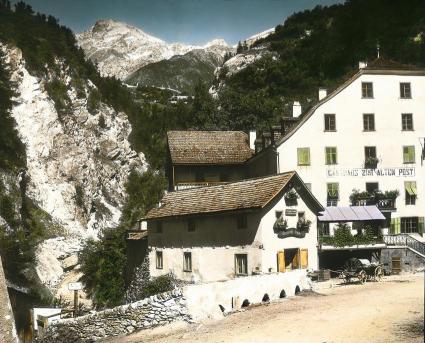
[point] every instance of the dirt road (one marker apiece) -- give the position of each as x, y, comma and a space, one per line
391, 311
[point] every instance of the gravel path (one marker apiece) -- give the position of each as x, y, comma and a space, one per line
389, 312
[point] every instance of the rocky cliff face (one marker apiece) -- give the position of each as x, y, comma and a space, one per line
119, 49
78, 160
77, 163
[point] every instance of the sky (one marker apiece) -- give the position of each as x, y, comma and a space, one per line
187, 21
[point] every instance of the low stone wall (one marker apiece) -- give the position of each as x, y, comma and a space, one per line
157, 310
211, 300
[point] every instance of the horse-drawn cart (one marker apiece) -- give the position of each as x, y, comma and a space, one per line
361, 270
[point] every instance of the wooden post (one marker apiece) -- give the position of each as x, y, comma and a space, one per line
75, 303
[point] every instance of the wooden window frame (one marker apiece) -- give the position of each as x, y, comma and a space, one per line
328, 161
159, 256
403, 90
187, 268
330, 118
368, 121
409, 161
366, 90
299, 151
404, 123
244, 256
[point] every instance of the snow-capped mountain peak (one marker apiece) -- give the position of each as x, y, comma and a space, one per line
119, 49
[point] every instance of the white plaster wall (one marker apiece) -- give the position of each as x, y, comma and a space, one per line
217, 239
203, 300
213, 245
350, 140
272, 244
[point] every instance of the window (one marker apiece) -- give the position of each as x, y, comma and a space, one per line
372, 187
330, 123
368, 122
406, 122
187, 262
333, 194
405, 91
331, 156
241, 264
242, 221
411, 192
191, 226
370, 157
409, 154
324, 229
367, 90
303, 156
159, 260
409, 225
158, 227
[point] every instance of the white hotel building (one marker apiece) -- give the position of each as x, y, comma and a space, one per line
368, 134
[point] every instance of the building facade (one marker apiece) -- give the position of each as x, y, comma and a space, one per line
205, 158
364, 143
251, 227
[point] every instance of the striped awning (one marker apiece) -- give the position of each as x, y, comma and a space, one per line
350, 214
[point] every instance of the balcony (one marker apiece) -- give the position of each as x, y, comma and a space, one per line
385, 201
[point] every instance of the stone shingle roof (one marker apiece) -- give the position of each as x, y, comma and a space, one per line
247, 194
209, 147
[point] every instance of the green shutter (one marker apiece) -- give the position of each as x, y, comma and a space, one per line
421, 227
303, 156
395, 226
409, 154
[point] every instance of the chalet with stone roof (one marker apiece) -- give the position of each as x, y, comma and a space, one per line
256, 226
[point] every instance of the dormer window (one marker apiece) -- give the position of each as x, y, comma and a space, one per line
367, 90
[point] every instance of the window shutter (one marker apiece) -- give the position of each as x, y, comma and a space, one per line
304, 258
395, 226
421, 225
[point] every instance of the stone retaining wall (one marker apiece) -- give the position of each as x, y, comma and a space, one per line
157, 310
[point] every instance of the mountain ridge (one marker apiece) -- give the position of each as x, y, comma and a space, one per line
120, 49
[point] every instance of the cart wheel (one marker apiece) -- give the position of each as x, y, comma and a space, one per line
362, 276
379, 273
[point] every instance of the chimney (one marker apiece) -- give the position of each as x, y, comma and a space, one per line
323, 93
362, 64
296, 109
252, 138
277, 132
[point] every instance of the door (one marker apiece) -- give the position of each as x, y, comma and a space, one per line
296, 260
396, 265
304, 258
281, 261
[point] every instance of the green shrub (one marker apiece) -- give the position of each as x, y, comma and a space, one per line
57, 91
160, 284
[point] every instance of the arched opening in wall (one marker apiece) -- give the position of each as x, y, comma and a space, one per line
245, 303
297, 290
266, 298
221, 308
282, 294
